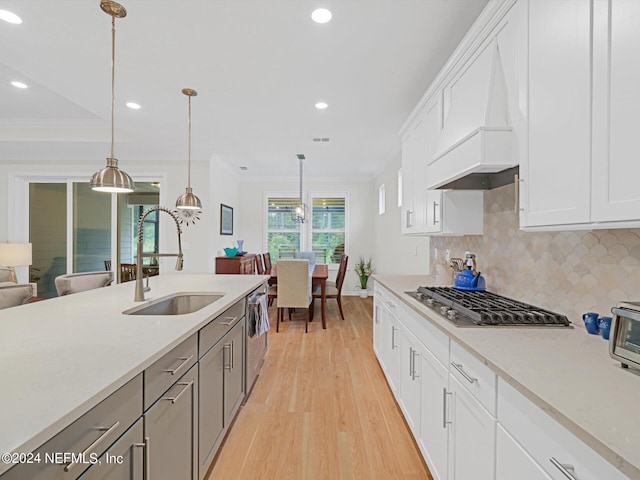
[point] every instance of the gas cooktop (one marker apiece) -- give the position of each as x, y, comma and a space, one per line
482, 308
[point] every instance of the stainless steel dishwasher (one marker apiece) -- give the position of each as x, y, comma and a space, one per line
256, 345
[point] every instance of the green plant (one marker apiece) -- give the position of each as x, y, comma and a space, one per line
364, 269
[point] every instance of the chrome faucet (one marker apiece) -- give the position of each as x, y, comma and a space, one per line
140, 290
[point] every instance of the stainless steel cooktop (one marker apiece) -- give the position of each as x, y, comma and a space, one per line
482, 308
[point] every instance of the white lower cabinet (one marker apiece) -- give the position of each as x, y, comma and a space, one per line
433, 418
472, 433
513, 461
411, 380
389, 338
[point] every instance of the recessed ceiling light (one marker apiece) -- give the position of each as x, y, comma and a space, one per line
321, 105
321, 15
133, 106
19, 84
10, 17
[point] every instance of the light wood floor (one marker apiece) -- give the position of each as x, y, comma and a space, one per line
321, 408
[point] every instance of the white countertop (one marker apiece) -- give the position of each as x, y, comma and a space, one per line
60, 357
565, 371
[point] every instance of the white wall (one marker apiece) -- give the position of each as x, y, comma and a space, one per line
393, 252
361, 209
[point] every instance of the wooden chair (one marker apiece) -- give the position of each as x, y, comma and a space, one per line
81, 282
335, 291
294, 289
259, 265
127, 272
266, 257
107, 265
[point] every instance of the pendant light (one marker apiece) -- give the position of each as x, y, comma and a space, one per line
111, 178
189, 201
299, 213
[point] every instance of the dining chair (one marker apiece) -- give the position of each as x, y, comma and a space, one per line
341, 258
311, 256
294, 289
127, 272
266, 257
81, 282
14, 294
107, 265
259, 265
335, 291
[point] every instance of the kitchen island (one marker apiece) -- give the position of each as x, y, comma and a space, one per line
61, 357
564, 372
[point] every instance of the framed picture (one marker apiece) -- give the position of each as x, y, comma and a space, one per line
226, 220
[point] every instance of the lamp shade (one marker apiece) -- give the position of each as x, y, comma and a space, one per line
15, 254
188, 201
112, 179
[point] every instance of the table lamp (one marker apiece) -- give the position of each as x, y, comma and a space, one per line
14, 255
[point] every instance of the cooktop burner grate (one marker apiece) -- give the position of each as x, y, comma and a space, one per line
486, 308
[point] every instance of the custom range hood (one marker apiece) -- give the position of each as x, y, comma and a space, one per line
475, 150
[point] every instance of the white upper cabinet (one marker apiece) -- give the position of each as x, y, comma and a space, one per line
579, 169
413, 177
616, 97
556, 172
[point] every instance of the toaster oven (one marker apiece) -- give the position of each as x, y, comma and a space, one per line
624, 339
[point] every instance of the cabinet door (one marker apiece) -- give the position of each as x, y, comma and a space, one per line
233, 343
410, 381
616, 68
471, 437
433, 128
377, 327
124, 460
393, 353
512, 461
406, 219
556, 179
433, 430
171, 425
211, 400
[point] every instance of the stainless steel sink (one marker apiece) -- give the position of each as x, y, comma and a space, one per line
176, 304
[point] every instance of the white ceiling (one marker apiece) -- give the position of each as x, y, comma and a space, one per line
259, 66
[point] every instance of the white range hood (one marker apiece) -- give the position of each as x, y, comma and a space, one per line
477, 136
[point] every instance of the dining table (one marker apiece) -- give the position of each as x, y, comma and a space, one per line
319, 276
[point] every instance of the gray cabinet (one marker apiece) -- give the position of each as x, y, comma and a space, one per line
171, 430
222, 385
124, 460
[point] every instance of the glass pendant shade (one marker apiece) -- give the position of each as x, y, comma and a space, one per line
112, 179
188, 201
299, 213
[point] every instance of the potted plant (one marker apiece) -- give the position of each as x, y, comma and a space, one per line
364, 269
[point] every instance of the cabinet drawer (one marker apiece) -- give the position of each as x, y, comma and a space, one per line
219, 326
433, 339
476, 377
164, 372
91, 434
545, 439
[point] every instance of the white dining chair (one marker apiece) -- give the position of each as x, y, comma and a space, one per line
294, 289
14, 294
311, 256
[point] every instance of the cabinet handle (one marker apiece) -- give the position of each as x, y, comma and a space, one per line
390, 304
228, 346
414, 354
233, 319
411, 362
466, 376
567, 470
516, 201
435, 205
408, 222
100, 439
233, 348
444, 407
393, 337
186, 387
147, 463
185, 361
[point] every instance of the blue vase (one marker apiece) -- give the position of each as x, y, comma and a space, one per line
240, 242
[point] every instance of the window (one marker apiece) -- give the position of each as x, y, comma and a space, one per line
283, 234
325, 233
381, 199
328, 230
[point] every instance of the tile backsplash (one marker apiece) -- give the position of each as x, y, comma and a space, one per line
570, 272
